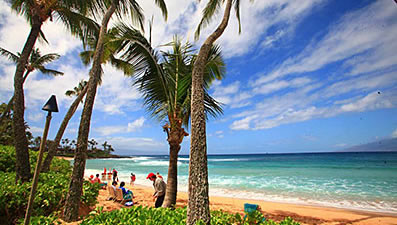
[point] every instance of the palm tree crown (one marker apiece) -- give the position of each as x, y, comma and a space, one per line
167, 94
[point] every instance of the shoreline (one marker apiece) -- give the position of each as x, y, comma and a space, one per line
304, 214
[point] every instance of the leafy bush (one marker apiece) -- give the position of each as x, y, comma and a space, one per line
146, 215
7, 159
51, 189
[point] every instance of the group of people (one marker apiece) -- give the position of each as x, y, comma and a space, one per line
158, 184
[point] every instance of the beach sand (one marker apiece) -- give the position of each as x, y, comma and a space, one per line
275, 211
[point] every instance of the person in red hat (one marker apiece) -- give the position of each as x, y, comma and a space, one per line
159, 189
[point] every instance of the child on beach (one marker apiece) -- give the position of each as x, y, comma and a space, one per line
132, 179
159, 176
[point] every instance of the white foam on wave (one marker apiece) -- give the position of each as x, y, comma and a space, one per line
223, 160
157, 163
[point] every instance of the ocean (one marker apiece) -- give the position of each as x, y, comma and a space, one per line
361, 181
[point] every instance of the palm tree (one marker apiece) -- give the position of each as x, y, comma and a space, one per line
71, 13
36, 62
198, 204
167, 97
80, 92
120, 7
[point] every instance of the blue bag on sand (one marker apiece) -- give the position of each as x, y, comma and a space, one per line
129, 204
250, 207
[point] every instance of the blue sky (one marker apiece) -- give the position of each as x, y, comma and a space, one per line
303, 76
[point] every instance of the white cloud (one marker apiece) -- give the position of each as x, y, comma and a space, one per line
394, 134
135, 145
356, 33
108, 130
369, 102
137, 124
131, 127
36, 117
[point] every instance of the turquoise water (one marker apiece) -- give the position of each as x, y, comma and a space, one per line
366, 181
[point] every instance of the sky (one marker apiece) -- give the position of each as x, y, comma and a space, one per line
303, 76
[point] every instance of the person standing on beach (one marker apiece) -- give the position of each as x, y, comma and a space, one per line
159, 189
132, 179
115, 175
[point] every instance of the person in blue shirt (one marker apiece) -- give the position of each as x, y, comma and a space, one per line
127, 194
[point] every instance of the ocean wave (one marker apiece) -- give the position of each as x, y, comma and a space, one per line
157, 163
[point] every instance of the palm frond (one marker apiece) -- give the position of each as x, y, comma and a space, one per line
237, 10
78, 24
163, 8
50, 71
11, 56
209, 11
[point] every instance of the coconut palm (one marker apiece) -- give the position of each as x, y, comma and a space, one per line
109, 7
36, 62
79, 92
198, 204
71, 14
167, 97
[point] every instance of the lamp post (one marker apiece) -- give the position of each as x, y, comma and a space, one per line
50, 106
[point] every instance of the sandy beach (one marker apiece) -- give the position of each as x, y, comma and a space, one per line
275, 211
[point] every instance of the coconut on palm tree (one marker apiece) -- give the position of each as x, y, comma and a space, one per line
198, 204
79, 92
71, 14
107, 8
167, 97
36, 62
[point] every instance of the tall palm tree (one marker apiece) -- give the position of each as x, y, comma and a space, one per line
79, 92
167, 97
108, 8
198, 204
71, 14
36, 62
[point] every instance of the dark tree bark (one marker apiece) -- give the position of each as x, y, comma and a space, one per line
18, 122
54, 145
172, 178
198, 204
72, 203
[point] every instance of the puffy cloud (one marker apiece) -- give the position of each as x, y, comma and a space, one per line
137, 124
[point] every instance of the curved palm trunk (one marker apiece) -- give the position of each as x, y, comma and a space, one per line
54, 145
172, 179
72, 203
18, 122
198, 204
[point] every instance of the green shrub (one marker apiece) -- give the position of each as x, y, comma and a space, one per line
151, 216
51, 189
7, 159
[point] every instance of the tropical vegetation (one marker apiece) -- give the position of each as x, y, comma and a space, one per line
50, 195
146, 215
72, 15
36, 62
166, 94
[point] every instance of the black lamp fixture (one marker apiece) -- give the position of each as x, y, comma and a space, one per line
51, 105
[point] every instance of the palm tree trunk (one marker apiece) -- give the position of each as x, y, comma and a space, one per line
198, 204
172, 179
72, 203
54, 145
18, 122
